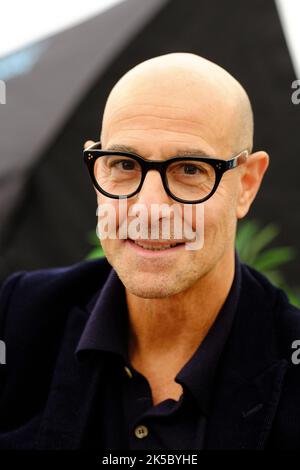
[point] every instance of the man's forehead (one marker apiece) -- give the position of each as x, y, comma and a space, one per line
172, 132
179, 110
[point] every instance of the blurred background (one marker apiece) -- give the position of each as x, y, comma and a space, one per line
59, 61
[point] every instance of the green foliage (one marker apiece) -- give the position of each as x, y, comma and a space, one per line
252, 243
97, 251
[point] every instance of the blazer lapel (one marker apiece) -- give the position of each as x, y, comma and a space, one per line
244, 410
72, 393
251, 374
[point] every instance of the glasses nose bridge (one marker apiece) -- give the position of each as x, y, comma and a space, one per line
154, 165
158, 166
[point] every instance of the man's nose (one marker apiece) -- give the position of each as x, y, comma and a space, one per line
153, 191
157, 203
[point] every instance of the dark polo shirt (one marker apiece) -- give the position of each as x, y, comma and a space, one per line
124, 416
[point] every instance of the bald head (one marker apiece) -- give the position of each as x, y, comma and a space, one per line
187, 86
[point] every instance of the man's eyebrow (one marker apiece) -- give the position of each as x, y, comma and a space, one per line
182, 153
122, 148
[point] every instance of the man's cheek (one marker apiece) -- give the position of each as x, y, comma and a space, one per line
214, 220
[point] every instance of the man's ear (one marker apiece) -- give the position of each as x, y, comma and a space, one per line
87, 143
252, 172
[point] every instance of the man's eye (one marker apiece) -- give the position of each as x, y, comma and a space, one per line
190, 169
123, 164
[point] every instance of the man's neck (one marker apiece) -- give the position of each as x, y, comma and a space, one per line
171, 328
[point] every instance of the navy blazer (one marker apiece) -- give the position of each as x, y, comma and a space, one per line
46, 394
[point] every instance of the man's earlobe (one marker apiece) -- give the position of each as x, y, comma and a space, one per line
251, 178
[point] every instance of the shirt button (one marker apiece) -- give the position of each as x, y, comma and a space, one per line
141, 432
128, 371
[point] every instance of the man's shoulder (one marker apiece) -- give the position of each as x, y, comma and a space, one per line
275, 304
278, 322
59, 275
42, 314
43, 292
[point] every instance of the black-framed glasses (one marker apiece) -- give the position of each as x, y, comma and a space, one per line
191, 179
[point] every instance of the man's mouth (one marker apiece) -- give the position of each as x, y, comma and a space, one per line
155, 246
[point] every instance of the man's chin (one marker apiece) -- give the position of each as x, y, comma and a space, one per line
150, 293
150, 286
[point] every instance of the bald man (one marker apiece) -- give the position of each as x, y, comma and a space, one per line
164, 344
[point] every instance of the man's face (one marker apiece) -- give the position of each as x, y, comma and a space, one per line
159, 122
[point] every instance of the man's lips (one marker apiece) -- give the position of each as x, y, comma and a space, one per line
156, 243
152, 249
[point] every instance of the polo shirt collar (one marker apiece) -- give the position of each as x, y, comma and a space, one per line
107, 326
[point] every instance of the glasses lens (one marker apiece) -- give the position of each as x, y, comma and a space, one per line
191, 180
117, 175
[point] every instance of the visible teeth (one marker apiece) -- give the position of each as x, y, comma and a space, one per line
156, 248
